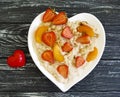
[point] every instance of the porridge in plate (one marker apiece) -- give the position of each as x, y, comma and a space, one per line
64, 48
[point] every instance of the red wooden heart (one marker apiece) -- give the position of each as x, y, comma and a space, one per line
17, 59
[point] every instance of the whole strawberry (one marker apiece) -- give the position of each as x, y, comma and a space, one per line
17, 59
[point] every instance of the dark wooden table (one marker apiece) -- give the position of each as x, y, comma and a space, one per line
15, 19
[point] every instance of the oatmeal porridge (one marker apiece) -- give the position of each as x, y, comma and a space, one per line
64, 48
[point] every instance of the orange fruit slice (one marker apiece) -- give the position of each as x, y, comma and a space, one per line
92, 55
39, 32
57, 54
85, 29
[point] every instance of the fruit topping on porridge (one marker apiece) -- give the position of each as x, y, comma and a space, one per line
79, 61
57, 53
92, 55
63, 70
49, 38
64, 47
67, 47
67, 33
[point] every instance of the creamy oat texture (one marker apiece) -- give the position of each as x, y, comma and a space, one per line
78, 50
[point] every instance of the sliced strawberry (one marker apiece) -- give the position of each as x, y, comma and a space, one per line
67, 33
67, 47
63, 70
48, 56
49, 38
83, 39
60, 18
48, 15
79, 61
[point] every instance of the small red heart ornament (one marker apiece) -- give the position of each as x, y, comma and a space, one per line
17, 59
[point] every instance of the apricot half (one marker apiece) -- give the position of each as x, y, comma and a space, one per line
92, 55
39, 32
85, 29
57, 54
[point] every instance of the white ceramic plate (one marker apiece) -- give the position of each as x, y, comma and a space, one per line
92, 20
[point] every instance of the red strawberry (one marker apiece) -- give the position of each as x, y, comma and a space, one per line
67, 33
83, 39
60, 18
48, 15
63, 70
48, 56
67, 47
18, 59
79, 61
49, 38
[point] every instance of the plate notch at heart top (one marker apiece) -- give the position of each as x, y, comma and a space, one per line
100, 44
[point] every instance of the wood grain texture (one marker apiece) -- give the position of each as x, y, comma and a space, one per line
29, 79
15, 19
59, 94
26, 10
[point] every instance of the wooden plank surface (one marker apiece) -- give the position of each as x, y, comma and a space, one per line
59, 94
26, 10
29, 78
15, 19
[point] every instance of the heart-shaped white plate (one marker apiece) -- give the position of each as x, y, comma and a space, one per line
92, 20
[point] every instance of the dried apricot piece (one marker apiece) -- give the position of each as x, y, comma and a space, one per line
39, 32
85, 29
92, 55
57, 54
